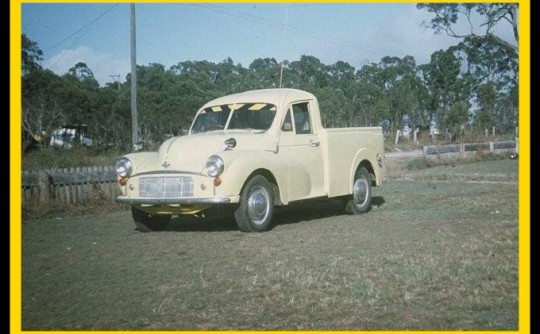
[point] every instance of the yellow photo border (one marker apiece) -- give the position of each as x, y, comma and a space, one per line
524, 256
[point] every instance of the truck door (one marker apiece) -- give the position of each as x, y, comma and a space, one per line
300, 146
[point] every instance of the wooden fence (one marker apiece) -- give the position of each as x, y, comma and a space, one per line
76, 185
70, 185
464, 150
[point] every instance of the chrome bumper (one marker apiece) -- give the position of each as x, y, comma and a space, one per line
172, 201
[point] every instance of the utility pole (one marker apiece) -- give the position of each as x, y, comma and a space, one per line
134, 117
116, 78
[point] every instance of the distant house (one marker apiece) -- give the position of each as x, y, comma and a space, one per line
70, 135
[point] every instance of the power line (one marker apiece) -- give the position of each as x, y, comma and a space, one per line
82, 28
297, 30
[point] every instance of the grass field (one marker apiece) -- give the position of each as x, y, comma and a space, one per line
438, 251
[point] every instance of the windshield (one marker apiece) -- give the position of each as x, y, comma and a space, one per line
243, 116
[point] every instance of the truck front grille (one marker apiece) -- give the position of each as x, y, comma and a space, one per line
166, 187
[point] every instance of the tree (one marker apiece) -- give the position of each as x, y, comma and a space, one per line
336, 109
487, 61
266, 72
31, 55
493, 70
450, 90
84, 74
447, 16
310, 73
388, 91
42, 109
368, 90
342, 75
487, 99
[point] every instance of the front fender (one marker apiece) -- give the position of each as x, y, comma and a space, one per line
142, 161
240, 165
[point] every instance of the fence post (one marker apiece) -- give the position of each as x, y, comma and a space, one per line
44, 186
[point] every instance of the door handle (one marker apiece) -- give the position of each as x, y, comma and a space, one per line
314, 143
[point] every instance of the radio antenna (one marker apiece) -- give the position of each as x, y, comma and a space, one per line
284, 34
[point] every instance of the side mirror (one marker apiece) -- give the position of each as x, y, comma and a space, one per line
230, 144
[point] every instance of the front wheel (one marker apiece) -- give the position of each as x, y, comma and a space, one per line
256, 206
361, 197
146, 222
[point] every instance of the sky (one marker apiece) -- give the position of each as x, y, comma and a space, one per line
357, 33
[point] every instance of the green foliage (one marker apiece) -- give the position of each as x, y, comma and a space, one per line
473, 81
52, 157
445, 17
31, 55
419, 163
491, 63
486, 101
425, 163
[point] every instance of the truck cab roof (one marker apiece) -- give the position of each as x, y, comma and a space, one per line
276, 96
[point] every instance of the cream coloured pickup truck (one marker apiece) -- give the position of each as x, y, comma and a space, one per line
254, 150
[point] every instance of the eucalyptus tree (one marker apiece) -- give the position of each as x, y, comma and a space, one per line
447, 16
150, 96
31, 55
342, 76
309, 73
400, 85
336, 109
369, 98
489, 61
336, 95
225, 76
83, 74
493, 70
264, 73
79, 94
42, 109
450, 91
113, 115
388, 91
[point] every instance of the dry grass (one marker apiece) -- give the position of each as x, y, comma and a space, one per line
52, 157
435, 253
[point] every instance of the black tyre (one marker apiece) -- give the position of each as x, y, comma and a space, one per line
146, 222
256, 206
360, 202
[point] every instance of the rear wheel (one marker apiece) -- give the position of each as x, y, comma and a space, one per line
146, 222
256, 206
361, 197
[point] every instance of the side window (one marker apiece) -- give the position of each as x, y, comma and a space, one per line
287, 122
302, 121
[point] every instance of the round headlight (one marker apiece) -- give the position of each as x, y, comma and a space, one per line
214, 166
123, 167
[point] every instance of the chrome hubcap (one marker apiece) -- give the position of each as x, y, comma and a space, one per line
258, 205
360, 191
